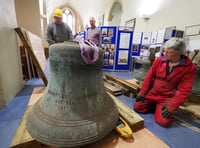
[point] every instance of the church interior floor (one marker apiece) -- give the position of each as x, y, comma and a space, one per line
176, 136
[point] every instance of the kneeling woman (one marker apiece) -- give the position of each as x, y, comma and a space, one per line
167, 84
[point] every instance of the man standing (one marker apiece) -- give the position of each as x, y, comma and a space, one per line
93, 33
58, 31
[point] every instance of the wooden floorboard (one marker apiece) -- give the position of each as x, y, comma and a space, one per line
141, 139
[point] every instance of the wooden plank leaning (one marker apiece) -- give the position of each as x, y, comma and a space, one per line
35, 50
132, 118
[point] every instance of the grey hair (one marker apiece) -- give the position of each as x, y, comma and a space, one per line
92, 18
178, 44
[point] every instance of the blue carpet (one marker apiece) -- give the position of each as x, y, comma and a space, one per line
11, 115
7, 131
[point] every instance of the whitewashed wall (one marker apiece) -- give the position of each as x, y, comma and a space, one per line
10, 65
162, 14
28, 15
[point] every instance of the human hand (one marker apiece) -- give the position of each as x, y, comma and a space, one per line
140, 98
167, 111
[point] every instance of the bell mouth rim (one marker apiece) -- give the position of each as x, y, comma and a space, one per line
72, 143
75, 142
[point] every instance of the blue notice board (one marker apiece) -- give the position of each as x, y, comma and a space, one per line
136, 43
108, 43
123, 48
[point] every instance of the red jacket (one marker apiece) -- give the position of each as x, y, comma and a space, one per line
175, 87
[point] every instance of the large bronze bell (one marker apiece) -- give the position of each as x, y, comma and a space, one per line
143, 70
196, 86
75, 109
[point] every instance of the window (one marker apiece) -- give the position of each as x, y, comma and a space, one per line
68, 18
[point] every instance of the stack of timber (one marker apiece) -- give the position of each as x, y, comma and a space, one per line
194, 99
190, 109
128, 88
123, 89
112, 89
135, 82
192, 106
188, 115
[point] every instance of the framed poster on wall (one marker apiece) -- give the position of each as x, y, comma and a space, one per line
136, 43
154, 37
124, 48
192, 30
131, 23
124, 40
146, 38
160, 36
101, 20
123, 57
137, 37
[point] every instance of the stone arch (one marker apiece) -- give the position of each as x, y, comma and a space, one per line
114, 17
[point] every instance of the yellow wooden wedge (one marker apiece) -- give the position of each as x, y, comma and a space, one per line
123, 128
